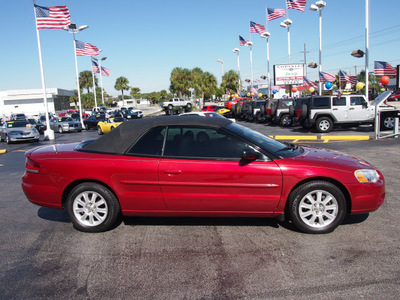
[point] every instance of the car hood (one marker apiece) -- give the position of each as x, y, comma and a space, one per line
331, 159
20, 129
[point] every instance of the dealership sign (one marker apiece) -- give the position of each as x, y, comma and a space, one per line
291, 74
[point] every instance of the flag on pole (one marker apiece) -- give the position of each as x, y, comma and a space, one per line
383, 68
86, 49
326, 77
95, 67
256, 28
296, 4
242, 41
105, 71
275, 13
53, 17
343, 77
308, 83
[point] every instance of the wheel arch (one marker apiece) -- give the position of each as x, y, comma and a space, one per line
72, 185
326, 115
338, 184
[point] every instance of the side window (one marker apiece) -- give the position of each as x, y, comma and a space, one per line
339, 102
357, 101
150, 143
199, 142
321, 102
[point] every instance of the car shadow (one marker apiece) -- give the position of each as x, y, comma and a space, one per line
200, 221
355, 219
55, 215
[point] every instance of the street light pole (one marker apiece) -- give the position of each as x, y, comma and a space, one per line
250, 44
266, 36
72, 29
236, 50
319, 6
286, 24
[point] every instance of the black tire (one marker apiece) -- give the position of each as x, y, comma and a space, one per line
291, 111
1, 139
286, 120
304, 110
7, 139
60, 129
262, 110
170, 107
315, 216
273, 110
93, 208
99, 131
189, 106
87, 126
387, 123
324, 125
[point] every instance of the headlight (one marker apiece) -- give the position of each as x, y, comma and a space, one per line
366, 175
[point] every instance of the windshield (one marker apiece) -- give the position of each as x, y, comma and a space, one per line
17, 124
266, 143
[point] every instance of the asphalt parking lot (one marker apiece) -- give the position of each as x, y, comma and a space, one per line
43, 257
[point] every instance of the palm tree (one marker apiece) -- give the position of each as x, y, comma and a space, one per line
208, 85
122, 84
180, 81
86, 80
230, 82
135, 92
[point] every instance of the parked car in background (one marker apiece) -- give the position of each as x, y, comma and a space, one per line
282, 112
18, 117
395, 96
175, 104
38, 125
15, 131
92, 121
108, 125
211, 108
65, 124
199, 166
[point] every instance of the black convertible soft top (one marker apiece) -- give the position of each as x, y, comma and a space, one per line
120, 139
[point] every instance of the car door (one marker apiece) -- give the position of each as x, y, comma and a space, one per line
358, 109
201, 171
340, 108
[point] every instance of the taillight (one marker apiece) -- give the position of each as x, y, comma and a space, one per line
32, 166
298, 113
268, 111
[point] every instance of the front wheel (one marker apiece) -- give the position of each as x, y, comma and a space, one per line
99, 131
60, 129
317, 207
286, 120
387, 123
324, 125
8, 140
93, 208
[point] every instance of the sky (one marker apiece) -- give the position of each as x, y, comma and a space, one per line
145, 40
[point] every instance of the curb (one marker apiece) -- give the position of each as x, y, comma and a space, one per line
322, 138
3, 151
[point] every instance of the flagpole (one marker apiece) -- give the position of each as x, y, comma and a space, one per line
94, 88
101, 82
366, 47
251, 60
77, 80
48, 133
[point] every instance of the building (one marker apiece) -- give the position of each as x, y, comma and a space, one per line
30, 102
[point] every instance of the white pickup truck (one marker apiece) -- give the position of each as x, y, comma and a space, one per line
176, 104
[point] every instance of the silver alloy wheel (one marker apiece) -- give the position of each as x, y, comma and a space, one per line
389, 122
318, 209
90, 208
324, 125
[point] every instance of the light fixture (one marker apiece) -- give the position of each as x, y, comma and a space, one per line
283, 25
288, 22
357, 53
263, 77
312, 65
249, 44
236, 50
265, 34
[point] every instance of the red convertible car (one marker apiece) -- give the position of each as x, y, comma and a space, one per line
196, 166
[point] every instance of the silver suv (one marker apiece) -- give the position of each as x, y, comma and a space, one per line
326, 111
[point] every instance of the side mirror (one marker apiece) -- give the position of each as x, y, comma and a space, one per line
250, 154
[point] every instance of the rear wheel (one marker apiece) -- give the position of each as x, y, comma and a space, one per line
387, 123
93, 208
324, 125
317, 207
286, 120
87, 126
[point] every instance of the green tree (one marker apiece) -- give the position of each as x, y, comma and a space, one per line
208, 85
180, 81
122, 84
135, 92
86, 80
74, 99
230, 82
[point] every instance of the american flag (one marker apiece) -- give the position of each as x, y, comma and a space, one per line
275, 13
105, 71
86, 49
256, 28
53, 17
343, 77
296, 4
326, 77
242, 41
309, 83
95, 67
382, 68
